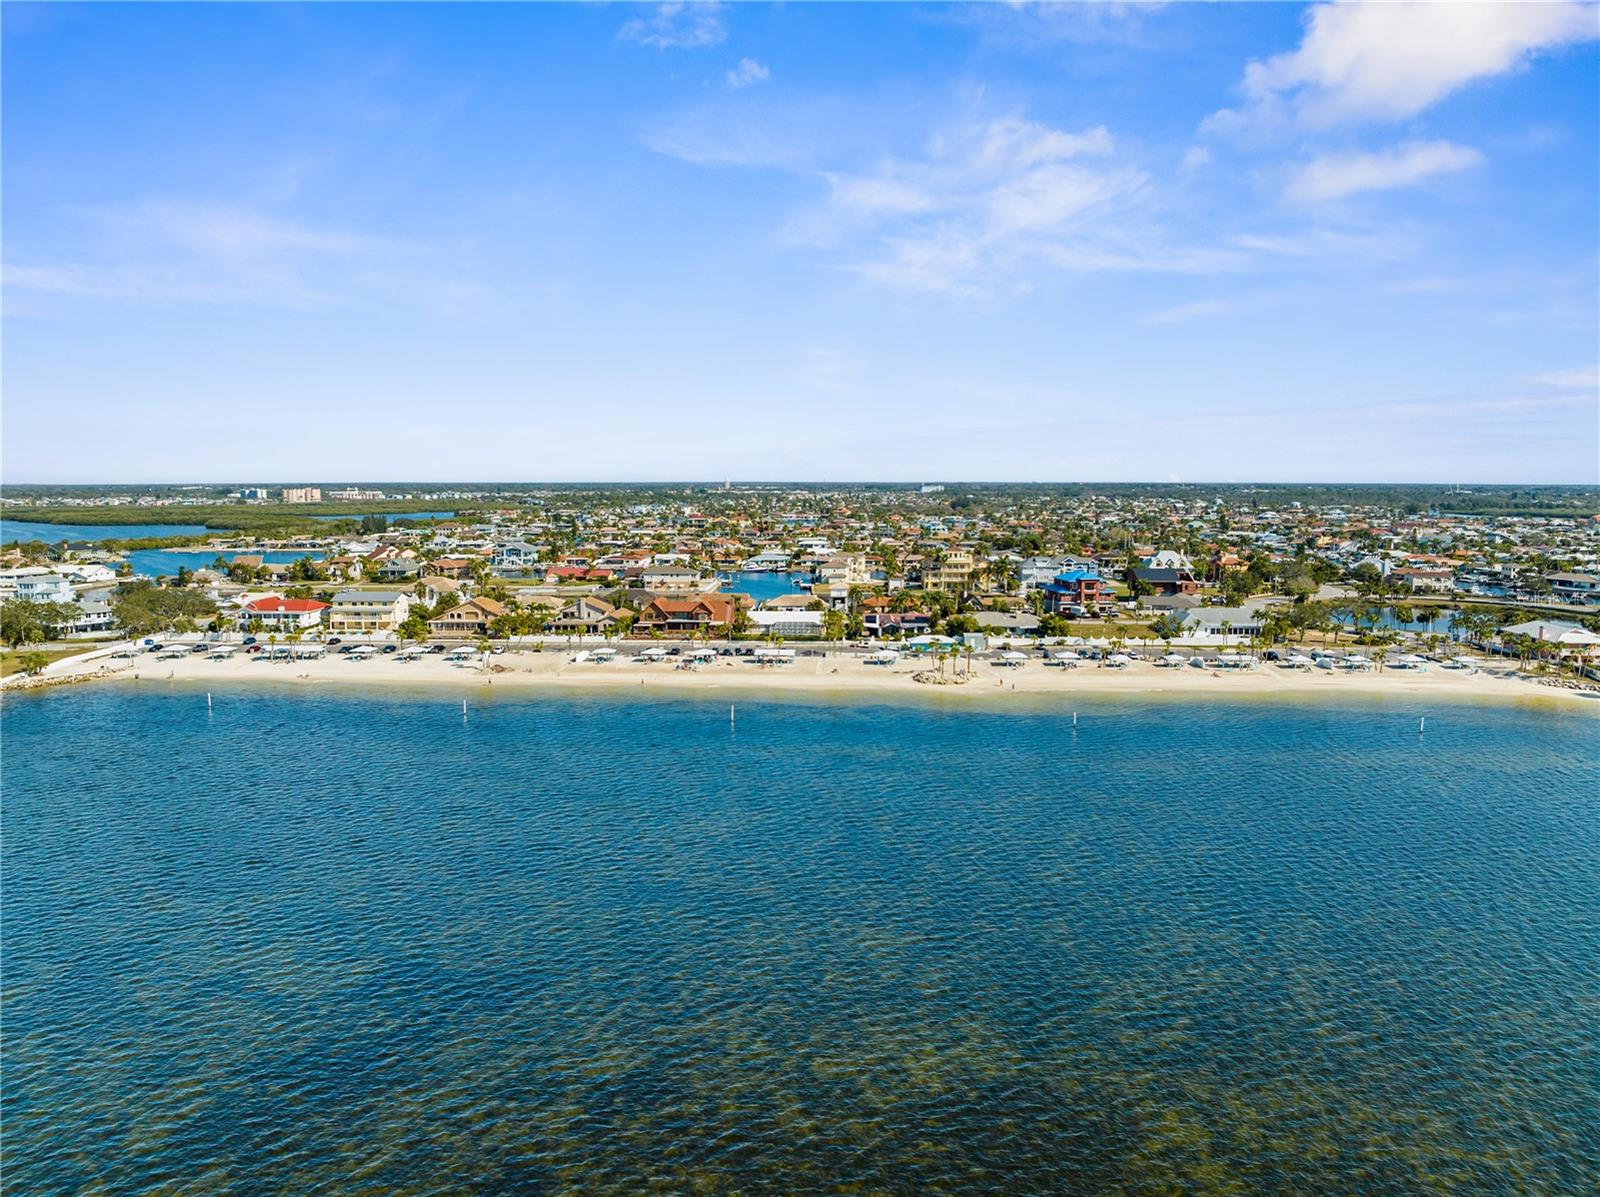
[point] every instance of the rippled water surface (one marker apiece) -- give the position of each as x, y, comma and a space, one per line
320, 944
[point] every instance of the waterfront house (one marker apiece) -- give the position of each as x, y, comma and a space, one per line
93, 616
88, 572
687, 616
1432, 581
368, 611
275, 613
1070, 588
1212, 623
1008, 623
667, 577
470, 619
788, 623
587, 615
35, 584
1574, 588
896, 623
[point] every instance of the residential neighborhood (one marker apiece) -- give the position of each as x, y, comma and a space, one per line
1237, 566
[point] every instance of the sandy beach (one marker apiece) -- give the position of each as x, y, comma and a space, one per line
834, 673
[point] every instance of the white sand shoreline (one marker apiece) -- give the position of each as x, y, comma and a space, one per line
834, 676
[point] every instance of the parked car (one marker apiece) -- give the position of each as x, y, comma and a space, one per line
335, 640
390, 648
254, 648
249, 639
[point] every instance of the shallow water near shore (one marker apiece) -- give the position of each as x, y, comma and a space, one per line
333, 942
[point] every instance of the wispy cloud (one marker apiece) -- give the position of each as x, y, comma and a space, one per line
1185, 312
1389, 61
1584, 377
193, 251
748, 71
1334, 176
690, 24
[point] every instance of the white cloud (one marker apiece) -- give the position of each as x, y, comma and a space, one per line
1335, 176
233, 232
1388, 61
747, 72
683, 24
1195, 157
1585, 377
1185, 312
988, 200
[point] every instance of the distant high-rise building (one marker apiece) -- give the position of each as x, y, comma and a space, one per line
302, 494
253, 492
932, 488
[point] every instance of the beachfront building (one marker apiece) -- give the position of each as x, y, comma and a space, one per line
1080, 588
302, 494
274, 613
368, 611
586, 616
1555, 631
469, 620
689, 616
92, 617
896, 623
788, 623
1220, 623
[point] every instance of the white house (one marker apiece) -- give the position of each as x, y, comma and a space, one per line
1215, 623
279, 614
787, 623
90, 572
1168, 559
35, 584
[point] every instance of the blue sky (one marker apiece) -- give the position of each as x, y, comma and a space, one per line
1215, 242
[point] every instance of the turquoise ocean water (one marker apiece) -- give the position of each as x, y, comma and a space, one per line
335, 942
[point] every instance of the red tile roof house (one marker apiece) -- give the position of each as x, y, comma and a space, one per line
280, 614
702, 613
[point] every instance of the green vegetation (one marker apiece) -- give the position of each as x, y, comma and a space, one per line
143, 609
25, 622
257, 518
33, 660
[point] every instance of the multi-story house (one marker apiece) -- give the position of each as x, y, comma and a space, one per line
368, 611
